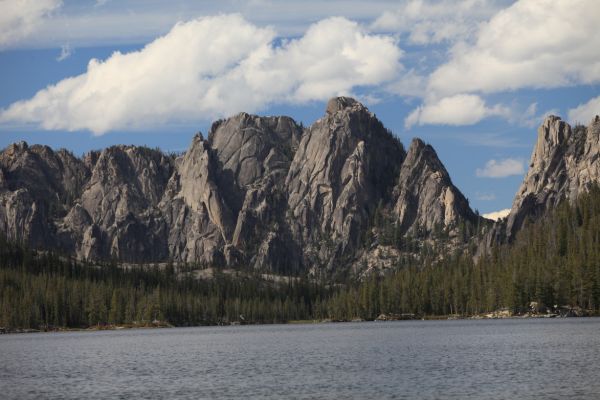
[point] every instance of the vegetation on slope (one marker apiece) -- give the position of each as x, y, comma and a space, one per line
553, 261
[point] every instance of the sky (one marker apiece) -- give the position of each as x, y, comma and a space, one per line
474, 78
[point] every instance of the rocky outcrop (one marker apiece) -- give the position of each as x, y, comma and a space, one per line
55, 176
260, 192
199, 220
255, 155
426, 198
226, 197
36, 185
115, 212
346, 163
564, 163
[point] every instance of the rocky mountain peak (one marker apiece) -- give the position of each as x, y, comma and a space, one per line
341, 103
418, 148
125, 179
564, 163
43, 172
426, 198
250, 147
346, 163
552, 134
16, 148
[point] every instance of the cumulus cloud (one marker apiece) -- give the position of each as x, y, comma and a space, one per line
460, 109
584, 113
501, 168
212, 67
533, 43
409, 84
19, 18
496, 215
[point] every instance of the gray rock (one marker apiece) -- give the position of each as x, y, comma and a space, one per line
427, 200
564, 163
37, 184
125, 186
346, 163
200, 222
260, 192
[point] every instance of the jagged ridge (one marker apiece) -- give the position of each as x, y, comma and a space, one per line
260, 192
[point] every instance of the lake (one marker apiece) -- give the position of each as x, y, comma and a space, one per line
464, 359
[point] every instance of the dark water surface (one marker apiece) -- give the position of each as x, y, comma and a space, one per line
498, 359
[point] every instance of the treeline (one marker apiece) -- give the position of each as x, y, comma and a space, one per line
554, 261
43, 290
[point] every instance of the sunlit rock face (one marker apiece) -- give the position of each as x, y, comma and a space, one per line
346, 163
426, 197
564, 163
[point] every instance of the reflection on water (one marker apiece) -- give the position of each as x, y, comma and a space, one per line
499, 359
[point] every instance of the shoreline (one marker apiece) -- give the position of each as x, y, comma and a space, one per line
166, 325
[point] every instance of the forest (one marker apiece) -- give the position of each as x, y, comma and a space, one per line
554, 261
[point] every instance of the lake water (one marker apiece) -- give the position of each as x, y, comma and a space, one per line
494, 359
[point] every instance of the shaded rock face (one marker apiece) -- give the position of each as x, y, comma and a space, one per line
37, 184
426, 198
564, 163
254, 154
227, 193
126, 184
260, 192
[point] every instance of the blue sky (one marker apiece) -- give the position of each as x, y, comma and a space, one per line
472, 77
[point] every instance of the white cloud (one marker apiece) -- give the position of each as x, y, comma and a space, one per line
533, 43
496, 215
501, 168
212, 67
584, 113
409, 84
461, 109
135, 21
65, 52
427, 21
19, 18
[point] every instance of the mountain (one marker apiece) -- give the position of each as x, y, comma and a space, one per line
260, 192
426, 197
564, 164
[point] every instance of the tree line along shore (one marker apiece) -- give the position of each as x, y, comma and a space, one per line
552, 268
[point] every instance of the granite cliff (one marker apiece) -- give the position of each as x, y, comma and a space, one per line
564, 164
257, 192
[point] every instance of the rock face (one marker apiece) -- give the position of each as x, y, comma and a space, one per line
345, 164
260, 192
37, 184
563, 164
426, 198
227, 192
